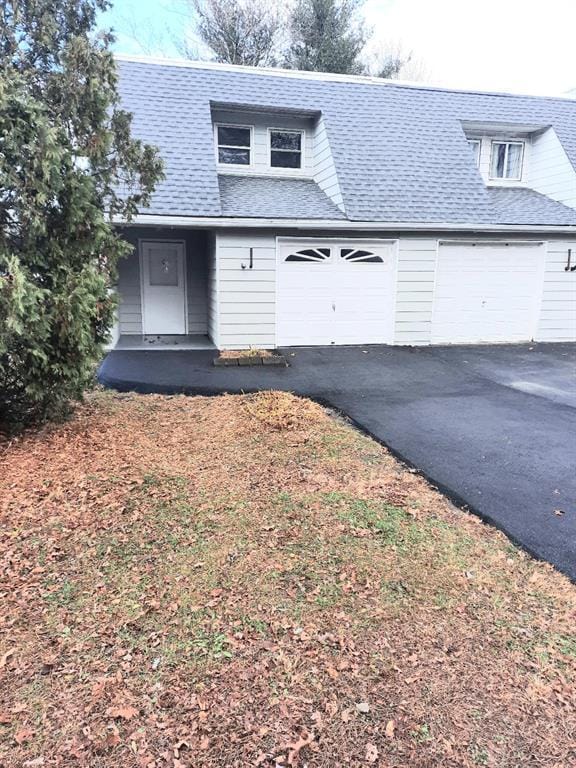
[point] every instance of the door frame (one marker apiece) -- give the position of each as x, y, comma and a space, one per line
335, 240
172, 241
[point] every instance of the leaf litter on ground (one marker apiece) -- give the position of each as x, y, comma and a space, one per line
247, 580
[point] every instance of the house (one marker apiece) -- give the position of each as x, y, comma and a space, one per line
312, 209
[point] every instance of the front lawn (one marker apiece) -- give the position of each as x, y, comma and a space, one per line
248, 581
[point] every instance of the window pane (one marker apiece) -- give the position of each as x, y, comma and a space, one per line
163, 269
285, 159
285, 140
475, 147
235, 137
514, 164
498, 159
234, 156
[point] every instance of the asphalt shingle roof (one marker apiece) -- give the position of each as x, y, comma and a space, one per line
265, 197
525, 206
400, 152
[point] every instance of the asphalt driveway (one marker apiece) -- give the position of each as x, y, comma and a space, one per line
493, 426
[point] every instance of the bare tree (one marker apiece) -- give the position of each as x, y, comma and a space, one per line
391, 61
236, 31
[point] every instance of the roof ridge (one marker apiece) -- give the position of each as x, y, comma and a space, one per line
328, 77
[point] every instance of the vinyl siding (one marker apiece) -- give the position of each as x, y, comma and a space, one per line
557, 320
324, 168
246, 306
551, 171
212, 291
129, 287
197, 288
415, 290
261, 122
129, 295
246, 297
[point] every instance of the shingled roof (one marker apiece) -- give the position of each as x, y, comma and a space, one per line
399, 151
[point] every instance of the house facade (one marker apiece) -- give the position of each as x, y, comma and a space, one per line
308, 209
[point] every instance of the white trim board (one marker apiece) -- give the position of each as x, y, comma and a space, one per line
222, 222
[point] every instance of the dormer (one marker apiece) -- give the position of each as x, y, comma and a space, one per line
283, 143
261, 142
522, 155
501, 152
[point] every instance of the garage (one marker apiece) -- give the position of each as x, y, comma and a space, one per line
335, 292
487, 292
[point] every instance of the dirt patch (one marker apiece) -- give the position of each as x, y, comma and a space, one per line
245, 580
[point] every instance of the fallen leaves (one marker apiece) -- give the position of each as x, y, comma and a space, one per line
371, 753
123, 713
22, 735
4, 658
200, 582
295, 748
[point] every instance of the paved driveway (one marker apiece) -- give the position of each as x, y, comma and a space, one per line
492, 426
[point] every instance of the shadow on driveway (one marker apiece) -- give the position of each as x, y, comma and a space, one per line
494, 427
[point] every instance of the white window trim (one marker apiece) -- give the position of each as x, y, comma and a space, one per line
230, 146
472, 140
276, 169
507, 142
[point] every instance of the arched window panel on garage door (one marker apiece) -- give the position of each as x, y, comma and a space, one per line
310, 255
360, 256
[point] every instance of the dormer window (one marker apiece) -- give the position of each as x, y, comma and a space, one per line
475, 145
506, 160
285, 149
234, 144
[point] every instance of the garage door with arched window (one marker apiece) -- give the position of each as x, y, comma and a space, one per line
335, 292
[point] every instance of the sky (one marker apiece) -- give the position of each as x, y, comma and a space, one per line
521, 46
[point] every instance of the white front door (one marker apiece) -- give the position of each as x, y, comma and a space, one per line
487, 293
163, 287
335, 292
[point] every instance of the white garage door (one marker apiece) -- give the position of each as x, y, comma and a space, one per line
335, 292
487, 293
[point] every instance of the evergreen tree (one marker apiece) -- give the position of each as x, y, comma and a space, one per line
65, 152
326, 36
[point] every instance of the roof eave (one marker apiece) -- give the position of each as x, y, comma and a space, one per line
221, 222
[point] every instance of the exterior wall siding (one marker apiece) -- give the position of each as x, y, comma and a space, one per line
551, 171
129, 287
246, 298
212, 291
416, 270
324, 168
557, 320
129, 295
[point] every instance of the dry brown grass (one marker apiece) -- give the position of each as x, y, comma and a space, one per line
242, 581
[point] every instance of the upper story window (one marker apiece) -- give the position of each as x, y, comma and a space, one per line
475, 145
234, 144
285, 149
506, 160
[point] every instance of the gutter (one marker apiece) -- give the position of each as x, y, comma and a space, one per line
221, 222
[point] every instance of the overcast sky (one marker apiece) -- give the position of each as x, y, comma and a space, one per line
505, 45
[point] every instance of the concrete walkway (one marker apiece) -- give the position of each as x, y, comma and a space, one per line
493, 426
